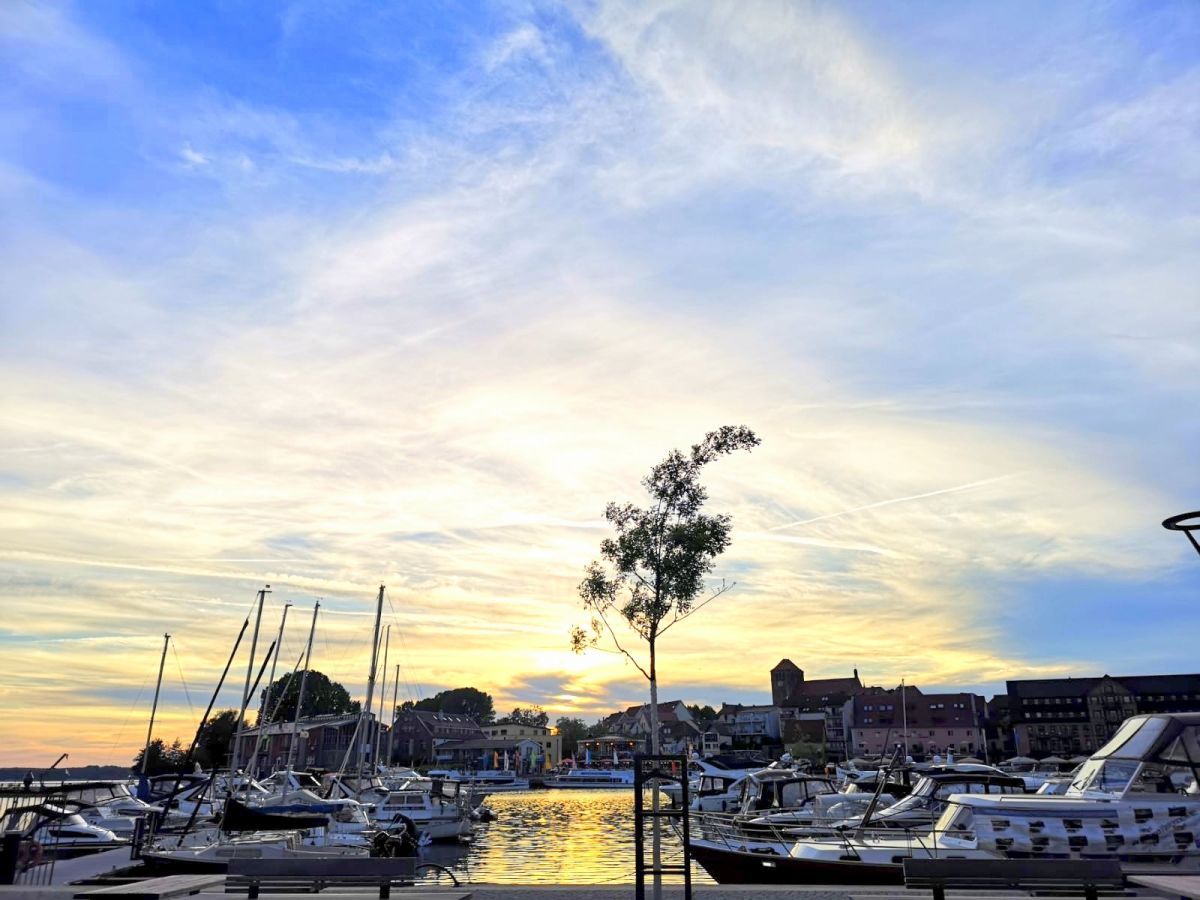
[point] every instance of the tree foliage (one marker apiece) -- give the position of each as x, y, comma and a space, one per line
572, 731
464, 701
702, 715
653, 569
216, 737
533, 715
322, 697
162, 759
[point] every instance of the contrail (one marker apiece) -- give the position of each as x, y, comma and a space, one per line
846, 512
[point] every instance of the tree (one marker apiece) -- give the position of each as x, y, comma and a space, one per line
702, 715
572, 731
215, 739
654, 568
464, 701
322, 697
534, 715
161, 759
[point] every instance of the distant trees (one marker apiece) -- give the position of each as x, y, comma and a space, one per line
572, 731
322, 697
212, 748
162, 759
215, 739
464, 701
533, 715
703, 715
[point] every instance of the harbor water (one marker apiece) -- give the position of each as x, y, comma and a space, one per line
555, 837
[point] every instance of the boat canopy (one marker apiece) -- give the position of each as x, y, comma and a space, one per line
1173, 739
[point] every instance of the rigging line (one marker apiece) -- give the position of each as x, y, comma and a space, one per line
186, 693
128, 716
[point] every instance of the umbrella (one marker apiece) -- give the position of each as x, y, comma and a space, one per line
1054, 760
972, 760
1078, 759
1020, 761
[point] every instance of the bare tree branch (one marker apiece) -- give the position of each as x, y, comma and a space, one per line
613, 634
679, 618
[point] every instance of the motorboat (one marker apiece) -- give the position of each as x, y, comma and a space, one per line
487, 780
1136, 800
440, 810
592, 779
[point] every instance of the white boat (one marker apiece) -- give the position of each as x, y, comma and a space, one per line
490, 781
1136, 800
590, 778
439, 810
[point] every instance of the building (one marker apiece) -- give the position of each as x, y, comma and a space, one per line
419, 732
548, 740
322, 742
796, 696
520, 755
677, 730
1077, 716
752, 727
925, 724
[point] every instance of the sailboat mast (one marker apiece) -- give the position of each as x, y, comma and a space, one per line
154, 707
266, 704
366, 707
904, 714
241, 722
300, 695
392, 718
387, 643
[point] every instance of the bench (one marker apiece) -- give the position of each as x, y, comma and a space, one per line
319, 873
1072, 876
155, 888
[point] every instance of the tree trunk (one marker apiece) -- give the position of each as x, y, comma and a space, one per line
654, 797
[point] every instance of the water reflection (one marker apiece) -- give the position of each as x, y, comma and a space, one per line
554, 837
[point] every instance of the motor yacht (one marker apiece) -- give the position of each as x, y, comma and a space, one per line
1136, 800
590, 778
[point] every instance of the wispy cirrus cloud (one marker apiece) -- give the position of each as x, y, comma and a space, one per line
424, 340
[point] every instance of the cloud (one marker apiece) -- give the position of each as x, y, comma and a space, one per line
428, 356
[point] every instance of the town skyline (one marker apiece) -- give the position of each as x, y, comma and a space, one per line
325, 297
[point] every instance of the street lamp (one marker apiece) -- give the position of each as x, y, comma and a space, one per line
1187, 523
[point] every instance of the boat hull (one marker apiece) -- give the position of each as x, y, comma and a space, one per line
728, 866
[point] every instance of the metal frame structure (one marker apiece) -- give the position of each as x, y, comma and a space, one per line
649, 770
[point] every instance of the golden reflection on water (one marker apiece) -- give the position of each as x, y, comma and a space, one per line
555, 837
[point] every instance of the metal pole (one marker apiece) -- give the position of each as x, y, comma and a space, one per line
387, 643
266, 704
300, 694
234, 757
154, 707
366, 707
392, 718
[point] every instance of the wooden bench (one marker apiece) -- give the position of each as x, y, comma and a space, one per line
318, 874
1070, 876
155, 888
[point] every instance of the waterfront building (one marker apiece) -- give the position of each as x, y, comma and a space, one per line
520, 755
677, 729
1076, 716
752, 727
796, 696
548, 740
925, 724
322, 742
419, 732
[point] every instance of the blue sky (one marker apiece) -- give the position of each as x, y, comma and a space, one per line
327, 294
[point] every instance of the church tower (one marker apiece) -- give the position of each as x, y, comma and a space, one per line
786, 679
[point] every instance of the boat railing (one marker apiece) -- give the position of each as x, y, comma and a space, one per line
737, 832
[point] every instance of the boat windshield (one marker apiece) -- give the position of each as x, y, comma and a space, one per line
1106, 776
1134, 739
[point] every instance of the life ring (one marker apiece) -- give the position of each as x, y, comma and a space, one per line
29, 854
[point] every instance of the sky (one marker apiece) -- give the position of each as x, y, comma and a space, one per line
328, 295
